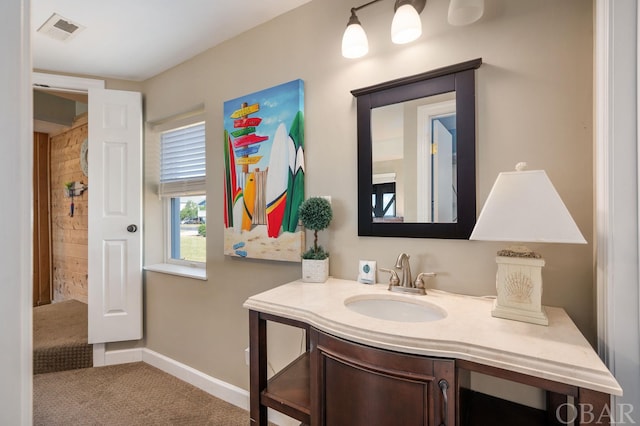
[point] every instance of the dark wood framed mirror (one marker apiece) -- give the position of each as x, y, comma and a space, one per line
416, 155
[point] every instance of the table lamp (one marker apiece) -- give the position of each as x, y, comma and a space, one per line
523, 206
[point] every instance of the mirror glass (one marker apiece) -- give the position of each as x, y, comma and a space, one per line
414, 161
416, 155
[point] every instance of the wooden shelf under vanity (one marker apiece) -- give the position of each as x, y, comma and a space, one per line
289, 390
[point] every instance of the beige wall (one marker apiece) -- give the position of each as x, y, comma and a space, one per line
534, 103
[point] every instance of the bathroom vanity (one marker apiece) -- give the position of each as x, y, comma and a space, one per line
377, 357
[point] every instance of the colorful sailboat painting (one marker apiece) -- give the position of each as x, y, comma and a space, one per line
264, 173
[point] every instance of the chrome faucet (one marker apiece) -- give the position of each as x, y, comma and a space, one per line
403, 264
406, 284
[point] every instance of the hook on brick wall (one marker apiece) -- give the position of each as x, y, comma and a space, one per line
74, 189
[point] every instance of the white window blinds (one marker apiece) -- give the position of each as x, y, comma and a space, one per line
182, 161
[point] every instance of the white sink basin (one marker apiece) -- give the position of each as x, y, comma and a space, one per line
393, 309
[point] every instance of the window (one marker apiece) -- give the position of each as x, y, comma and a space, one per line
182, 186
383, 200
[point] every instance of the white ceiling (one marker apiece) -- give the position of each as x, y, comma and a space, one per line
137, 39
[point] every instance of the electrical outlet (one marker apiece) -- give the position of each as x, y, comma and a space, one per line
246, 356
326, 197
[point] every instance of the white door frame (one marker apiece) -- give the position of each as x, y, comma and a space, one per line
617, 196
16, 167
63, 83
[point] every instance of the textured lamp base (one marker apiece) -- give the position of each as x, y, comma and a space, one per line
519, 288
516, 314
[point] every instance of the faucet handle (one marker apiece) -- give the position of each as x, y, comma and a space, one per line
393, 279
420, 282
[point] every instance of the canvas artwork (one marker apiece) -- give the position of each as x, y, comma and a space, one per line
264, 173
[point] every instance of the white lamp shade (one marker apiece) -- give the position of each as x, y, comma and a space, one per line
354, 42
406, 25
465, 12
523, 206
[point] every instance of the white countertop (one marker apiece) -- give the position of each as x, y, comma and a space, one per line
557, 352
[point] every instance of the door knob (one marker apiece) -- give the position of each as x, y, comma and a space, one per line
132, 228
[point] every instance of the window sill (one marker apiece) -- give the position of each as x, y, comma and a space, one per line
179, 270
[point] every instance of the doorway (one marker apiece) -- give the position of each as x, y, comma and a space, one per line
60, 121
60, 237
60, 233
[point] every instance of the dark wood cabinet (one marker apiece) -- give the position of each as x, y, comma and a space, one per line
354, 385
338, 382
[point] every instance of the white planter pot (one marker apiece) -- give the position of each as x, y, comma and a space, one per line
315, 271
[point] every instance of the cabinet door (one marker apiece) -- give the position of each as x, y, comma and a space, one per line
355, 385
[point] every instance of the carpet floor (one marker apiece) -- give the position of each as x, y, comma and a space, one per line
126, 394
60, 337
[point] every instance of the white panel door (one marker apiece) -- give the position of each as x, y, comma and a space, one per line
443, 174
115, 215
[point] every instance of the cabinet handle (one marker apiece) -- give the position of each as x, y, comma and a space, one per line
444, 386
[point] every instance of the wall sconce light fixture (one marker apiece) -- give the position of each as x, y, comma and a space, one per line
406, 25
465, 12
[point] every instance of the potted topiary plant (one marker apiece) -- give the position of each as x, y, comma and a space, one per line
315, 213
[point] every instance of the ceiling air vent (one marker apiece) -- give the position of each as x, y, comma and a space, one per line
60, 28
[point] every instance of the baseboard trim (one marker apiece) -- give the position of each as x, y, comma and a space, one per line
223, 390
123, 356
99, 358
216, 387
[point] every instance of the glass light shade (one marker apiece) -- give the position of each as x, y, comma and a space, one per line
465, 12
406, 25
523, 206
354, 42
